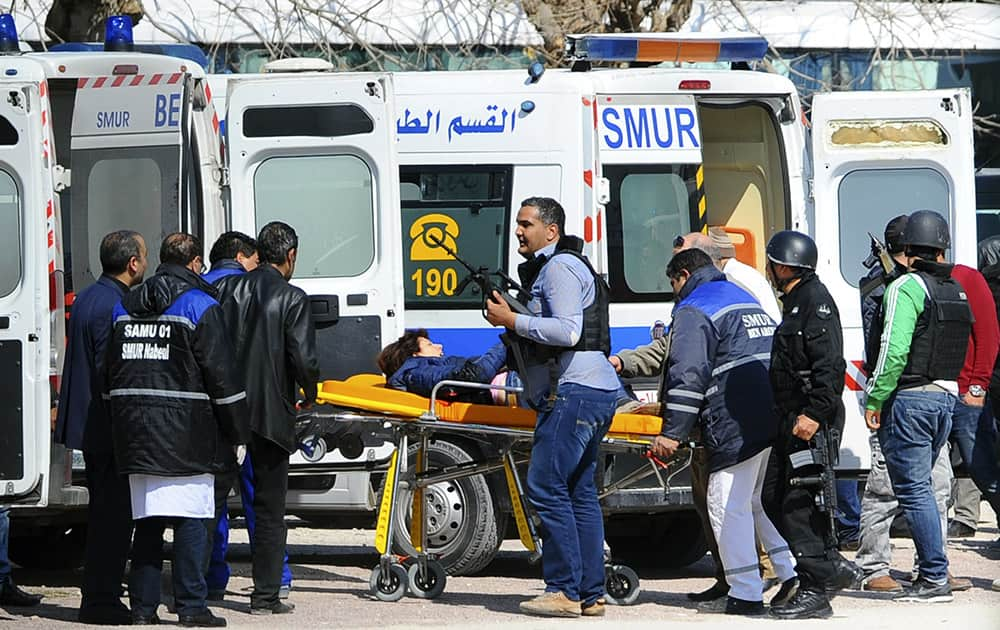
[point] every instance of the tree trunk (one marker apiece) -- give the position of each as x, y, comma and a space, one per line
83, 20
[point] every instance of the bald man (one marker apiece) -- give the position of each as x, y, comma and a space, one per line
720, 248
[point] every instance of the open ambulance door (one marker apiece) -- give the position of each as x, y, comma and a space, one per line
318, 153
24, 277
130, 166
650, 182
877, 155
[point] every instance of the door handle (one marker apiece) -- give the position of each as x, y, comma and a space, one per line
325, 309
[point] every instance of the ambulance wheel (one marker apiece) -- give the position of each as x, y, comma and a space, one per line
462, 527
621, 585
390, 587
431, 586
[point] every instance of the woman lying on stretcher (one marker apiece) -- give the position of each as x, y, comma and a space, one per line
415, 364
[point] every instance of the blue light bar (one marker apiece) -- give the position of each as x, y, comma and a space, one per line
118, 34
659, 47
8, 34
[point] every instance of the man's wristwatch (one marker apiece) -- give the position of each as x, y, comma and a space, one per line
976, 391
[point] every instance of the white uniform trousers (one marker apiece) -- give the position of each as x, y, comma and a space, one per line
735, 511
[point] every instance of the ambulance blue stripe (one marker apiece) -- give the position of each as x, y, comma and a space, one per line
475, 341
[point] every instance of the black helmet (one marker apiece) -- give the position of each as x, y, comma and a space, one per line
926, 228
894, 231
794, 249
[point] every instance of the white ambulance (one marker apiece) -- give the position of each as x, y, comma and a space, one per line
636, 156
89, 143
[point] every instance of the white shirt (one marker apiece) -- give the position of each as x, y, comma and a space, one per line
754, 283
190, 497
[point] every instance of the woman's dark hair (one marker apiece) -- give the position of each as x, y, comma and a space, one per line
396, 353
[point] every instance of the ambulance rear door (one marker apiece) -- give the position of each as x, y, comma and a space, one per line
318, 153
650, 182
24, 295
877, 155
129, 167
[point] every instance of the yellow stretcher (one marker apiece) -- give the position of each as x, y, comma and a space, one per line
415, 419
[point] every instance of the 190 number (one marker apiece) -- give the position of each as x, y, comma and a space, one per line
434, 282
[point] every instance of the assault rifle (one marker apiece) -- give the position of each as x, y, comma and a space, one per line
483, 279
879, 256
823, 453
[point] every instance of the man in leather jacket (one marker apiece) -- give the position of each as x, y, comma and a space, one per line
275, 341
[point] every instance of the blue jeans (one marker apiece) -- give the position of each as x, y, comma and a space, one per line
561, 489
188, 565
218, 570
974, 433
913, 431
849, 510
4, 542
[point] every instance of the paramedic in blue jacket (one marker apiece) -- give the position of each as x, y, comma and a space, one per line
233, 254
575, 390
717, 377
414, 363
83, 424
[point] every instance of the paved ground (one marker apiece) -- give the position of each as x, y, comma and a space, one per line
331, 570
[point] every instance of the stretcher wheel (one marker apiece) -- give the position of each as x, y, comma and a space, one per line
431, 586
391, 587
621, 584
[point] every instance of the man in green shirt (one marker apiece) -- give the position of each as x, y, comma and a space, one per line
913, 388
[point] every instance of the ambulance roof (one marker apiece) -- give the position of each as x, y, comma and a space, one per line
631, 80
81, 64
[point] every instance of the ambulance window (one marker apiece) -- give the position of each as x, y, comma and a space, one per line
868, 199
124, 188
8, 134
324, 121
328, 200
466, 208
10, 235
649, 207
123, 195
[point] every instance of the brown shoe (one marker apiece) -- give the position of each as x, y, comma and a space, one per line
959, 584
883, 584
552, 605
593, 610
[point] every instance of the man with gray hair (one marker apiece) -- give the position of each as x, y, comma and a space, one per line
719, 246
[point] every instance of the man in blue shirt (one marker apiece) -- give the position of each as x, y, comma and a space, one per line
569, 381
83, 424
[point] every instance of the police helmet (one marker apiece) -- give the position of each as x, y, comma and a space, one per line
926, 228
793, 249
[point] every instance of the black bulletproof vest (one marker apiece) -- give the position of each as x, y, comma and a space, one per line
941, 337
596, 335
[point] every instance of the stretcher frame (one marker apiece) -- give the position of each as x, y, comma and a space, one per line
425, 577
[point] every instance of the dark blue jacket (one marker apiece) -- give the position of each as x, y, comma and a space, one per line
223, 268
82, 421
419, 375
717, 370
177, 403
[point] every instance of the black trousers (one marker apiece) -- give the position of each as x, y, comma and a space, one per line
109, 536
270, 478
795, 513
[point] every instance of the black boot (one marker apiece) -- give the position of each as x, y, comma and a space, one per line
805, 604
847, 575
202, 620
784, 595
736, 606
12, 595
715, 592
